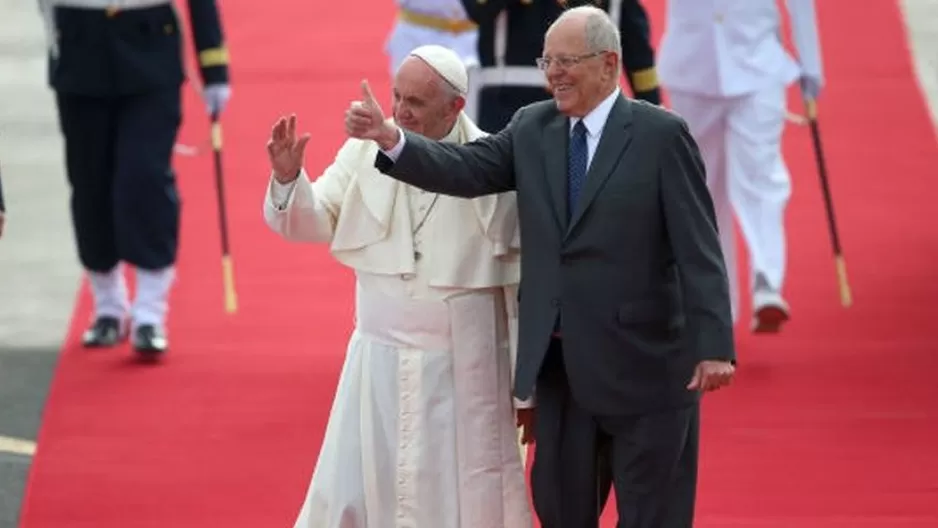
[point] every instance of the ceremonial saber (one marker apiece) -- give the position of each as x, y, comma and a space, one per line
845, 296
227, 268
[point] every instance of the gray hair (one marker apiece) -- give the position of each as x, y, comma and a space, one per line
450, 92
602, 34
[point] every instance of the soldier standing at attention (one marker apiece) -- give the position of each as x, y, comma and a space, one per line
511, 36
116, 67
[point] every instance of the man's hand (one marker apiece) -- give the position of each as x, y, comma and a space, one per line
711, 375
525, 420
285, 150
365, 120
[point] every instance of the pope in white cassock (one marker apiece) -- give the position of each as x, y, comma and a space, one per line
422, 432
726, 71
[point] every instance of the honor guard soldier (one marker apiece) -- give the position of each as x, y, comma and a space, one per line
116, 67
441, 22
727, 71
511, 37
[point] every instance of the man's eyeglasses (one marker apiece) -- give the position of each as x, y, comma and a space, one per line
543, 63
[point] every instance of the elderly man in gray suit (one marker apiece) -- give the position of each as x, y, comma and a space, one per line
625, 309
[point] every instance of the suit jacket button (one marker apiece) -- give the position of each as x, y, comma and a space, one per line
555, 303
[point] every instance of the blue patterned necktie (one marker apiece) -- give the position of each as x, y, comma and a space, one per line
576, 166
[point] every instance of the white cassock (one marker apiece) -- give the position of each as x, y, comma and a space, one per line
726, 71
422, 431
441, 22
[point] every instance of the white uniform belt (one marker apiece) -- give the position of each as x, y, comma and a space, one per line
417, 323
528, 76
118, 5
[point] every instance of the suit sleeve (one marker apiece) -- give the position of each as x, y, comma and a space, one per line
480, 167
804, 30
692, 228
209, 41
2, 205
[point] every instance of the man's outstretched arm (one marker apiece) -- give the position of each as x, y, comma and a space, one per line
484, 166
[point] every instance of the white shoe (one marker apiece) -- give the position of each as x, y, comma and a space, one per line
770, 311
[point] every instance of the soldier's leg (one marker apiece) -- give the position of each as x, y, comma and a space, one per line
759, 189
88, 126
706, 118
147, 206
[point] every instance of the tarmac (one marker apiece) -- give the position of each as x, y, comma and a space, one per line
39, 272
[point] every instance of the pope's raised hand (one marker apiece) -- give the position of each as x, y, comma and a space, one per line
364, 119
285, 150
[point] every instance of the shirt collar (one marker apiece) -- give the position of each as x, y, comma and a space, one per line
596, 119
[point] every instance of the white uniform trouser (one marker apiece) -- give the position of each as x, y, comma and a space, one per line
740, 140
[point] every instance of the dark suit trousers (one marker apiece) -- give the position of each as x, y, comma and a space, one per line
118, 152
649, 459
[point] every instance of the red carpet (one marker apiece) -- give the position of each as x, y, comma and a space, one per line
832, 424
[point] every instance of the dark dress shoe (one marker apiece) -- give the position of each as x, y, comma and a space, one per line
104, 332
150, 340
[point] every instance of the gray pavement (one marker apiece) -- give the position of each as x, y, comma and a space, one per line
38, 271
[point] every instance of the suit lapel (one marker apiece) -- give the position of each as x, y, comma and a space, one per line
556, 138
615, 139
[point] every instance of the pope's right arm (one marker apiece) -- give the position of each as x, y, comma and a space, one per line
307, 211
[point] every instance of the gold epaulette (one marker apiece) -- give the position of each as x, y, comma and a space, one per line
213, 57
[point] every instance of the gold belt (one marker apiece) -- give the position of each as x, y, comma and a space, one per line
451, 25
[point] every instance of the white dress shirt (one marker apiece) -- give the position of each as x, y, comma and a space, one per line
595, 122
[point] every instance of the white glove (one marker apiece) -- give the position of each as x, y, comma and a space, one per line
216, 97
810, 87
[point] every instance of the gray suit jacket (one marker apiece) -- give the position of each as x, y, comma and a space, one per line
636, 276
